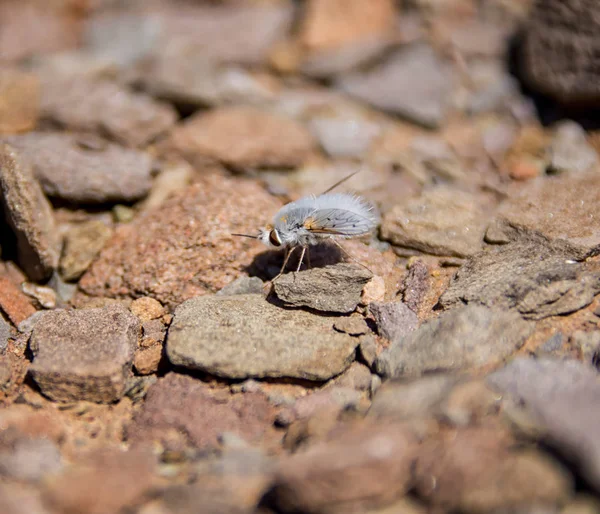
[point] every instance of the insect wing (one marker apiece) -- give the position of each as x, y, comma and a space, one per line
339, 222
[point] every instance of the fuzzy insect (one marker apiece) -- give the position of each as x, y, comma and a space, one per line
313, 219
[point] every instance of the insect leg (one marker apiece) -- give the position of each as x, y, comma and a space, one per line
308, 266
348, 255
301, 258
288, 254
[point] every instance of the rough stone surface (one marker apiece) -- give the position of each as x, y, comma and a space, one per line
243, 285
394, 319
476, 471
84, 169
564, 396
180, 411
81, 246
465, 337
147, 360
561, 209
77, 103
339, 35
14, 303
361, 468
442, 221
536, 278
245, 336
29, 214
416, 285
413, 83
331, 289
184, 248
84, 354
147, 308
5, 333
244, 137
19, 101
353, 325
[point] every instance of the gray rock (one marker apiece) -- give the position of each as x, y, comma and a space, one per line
243, 285
245, 336
29, 214
442, 221
588, 344
78, 103
564, 396
84, 170
413, 83
466, 337
82, 245
562, 209
394, 319
570, 151
368, 350
330, 289
536, 278
5, 333
84, 354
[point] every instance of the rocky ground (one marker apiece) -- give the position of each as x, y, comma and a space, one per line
147, 363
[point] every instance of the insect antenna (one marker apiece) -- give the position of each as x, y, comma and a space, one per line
245, 235
339, 182
345, 252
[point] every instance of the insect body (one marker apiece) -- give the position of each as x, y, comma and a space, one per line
311, 220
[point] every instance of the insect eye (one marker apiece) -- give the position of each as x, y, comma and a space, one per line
274, 238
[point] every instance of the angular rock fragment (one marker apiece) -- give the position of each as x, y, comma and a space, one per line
82, 245
84, 354
83, 169
466, 337
80, 104
537, 278
394, 319
330, 289
413, 83
245, 336
29, 215
570, 151
14, 303
442, 221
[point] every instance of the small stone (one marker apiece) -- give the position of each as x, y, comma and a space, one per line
29, 214
80, 104
368, 350
84, 354
82, 245
123, 213
413, 83
374, 291
243, 285
19, 107
147, 308
244, 336
154, 329
465, 337
442, 221
537, 278
564, 397
44, 296
14, 303
244, 137
330, 289
353, 325
416, 285
570, 151
146, 360
5, 333
64, 291
394, 319
357, 377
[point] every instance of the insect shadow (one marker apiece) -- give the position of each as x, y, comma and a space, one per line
267, 265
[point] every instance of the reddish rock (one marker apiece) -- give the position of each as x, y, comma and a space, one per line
244, 137
146, 360
184, 248
181, 411
19, 101
147, 308
13, 302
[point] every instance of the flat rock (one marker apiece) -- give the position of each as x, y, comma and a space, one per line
243, 137
330, 289
14, 303
394, 319
81, 104
84, 354
20, 105
29, 215
243, 285
466, 337
362, 467
245, 336
184, 248
535, 277
187, 406
561, 209
87, 170
564, 396
81, 246
414, 83
442, 221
